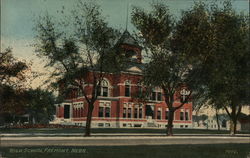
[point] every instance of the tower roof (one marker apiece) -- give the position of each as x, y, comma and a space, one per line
127, 38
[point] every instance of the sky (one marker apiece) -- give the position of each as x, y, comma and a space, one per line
18, 20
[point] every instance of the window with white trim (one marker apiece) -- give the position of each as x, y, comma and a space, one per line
140, 113
140, 88
136, 112
107, 111
104, 109
127, 88
78, 109
159, 114
79, 92
181, 115
187, 115
129, 112
103, 89
101, 112
166, 114
156, 94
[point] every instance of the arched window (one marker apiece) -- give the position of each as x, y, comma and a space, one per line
103, 89
127, 88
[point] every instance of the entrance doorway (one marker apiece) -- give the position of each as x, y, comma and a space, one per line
66, 111
149, 112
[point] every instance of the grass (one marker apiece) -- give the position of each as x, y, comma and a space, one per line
162, 151
113, 130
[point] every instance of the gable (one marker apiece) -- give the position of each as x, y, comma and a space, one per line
134, 69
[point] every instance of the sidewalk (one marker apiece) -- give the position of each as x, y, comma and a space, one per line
112, 135
119, 140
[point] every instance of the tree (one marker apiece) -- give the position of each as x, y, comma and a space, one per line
80, 58
12, 90
40, 106
166, 69
12, 70
219, 42
229, 79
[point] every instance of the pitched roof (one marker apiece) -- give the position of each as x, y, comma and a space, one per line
127, 38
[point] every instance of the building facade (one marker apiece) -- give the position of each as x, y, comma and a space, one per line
117, 106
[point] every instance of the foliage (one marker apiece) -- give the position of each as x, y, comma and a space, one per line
190, 52
40, 106
76, 56
13, 75
216, 43
228, 81
12, 70
166, 69
12, 101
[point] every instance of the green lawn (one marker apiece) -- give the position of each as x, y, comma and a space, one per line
162, 151
113, 130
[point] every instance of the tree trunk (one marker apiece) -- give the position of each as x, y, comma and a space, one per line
170, 122
217, 119
198, 124
233, 121
89, 118
233, 126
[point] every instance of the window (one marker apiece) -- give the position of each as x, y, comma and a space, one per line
124, 112
140, 113
136, 113
127, 89
181, 115
140, 91
104, 109
166, 115
153, 96
159, 96
81, 112
129, 112
103, 89
100, 125
76, 111
159, 115
107, 112
79, 93
107, 124
101, 112
186, 116
156, 94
